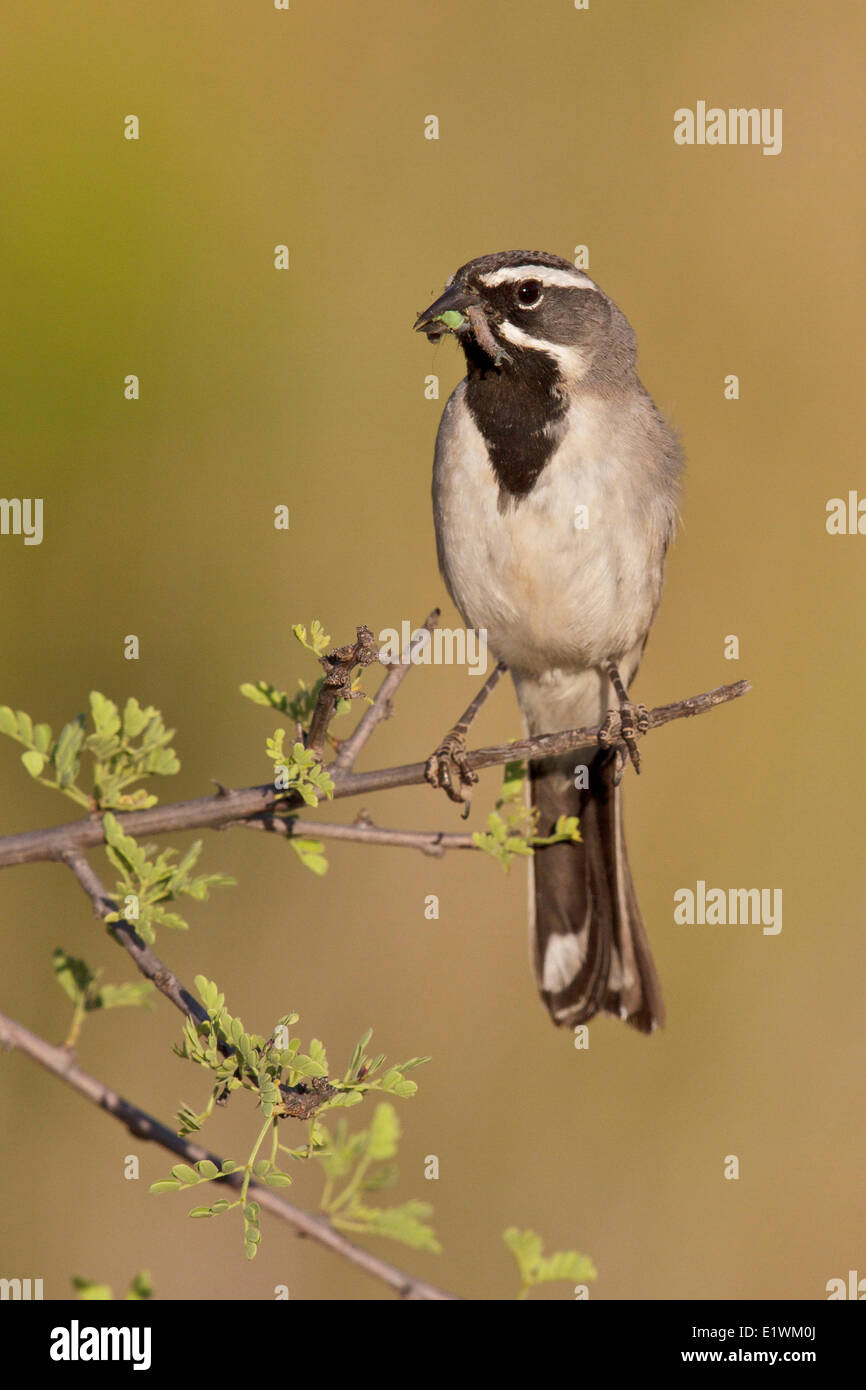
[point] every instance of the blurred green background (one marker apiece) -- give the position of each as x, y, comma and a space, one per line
306, 388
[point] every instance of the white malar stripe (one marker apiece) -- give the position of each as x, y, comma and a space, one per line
563, 958
546, 275
572, 361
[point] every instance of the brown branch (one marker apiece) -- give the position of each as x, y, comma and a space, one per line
229, 807
432, 842
544, 746
301, 1101
381, 707
337, 683
146, 959
62, 1064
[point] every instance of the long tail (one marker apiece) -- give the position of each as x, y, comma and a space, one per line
589, 946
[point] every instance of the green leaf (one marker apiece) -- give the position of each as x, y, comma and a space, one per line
513, 779
308, 1066
156, 881
73, 975
263, 693
318, 641
65, 757
185, 1174
278, 1180
34, 762
566, 828
566, 1264
106, 719
141, 1287
25, 727
90, 1292
536, 1268
406, 1223
132, 994
162, 762
254, 693
42, 738
345, 1099
413, 1062
384, 1132
358, 1054
135, 719
525, 1246
311, 854
401, 1087
166, 1185
208, 993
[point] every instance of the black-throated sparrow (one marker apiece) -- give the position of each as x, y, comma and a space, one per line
554, 489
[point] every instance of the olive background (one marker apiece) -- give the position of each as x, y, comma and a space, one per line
306, 388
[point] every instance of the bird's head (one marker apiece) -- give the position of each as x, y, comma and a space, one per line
518, 311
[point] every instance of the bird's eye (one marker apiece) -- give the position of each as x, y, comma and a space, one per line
529, 293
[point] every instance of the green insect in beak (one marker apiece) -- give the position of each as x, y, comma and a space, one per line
452, 319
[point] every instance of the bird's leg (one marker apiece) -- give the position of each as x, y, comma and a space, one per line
633, 719
447, 767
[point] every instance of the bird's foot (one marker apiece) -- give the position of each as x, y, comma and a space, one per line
627, 723
447, 768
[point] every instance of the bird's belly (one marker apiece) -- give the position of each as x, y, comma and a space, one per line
559, 578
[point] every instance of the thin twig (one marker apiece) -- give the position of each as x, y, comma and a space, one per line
381, 707
146, 959
301, 1100
432, 842
228, 807
62, 1064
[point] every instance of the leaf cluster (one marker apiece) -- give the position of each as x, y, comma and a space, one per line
300, 707
537, 1268
141, 1287
361, 1161
82, 986
125, 748
300, 771
277, 1071
152, 879
512, 824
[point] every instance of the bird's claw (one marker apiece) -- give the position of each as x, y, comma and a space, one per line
627, 724
447, 768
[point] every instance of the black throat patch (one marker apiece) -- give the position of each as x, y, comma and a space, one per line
519, 408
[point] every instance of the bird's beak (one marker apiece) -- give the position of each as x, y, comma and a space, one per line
447, 314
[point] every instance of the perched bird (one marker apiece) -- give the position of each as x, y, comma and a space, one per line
555, 488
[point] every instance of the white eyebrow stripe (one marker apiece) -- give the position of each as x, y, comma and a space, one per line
545, 275
572, 361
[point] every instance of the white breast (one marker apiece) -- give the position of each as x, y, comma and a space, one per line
550, 593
